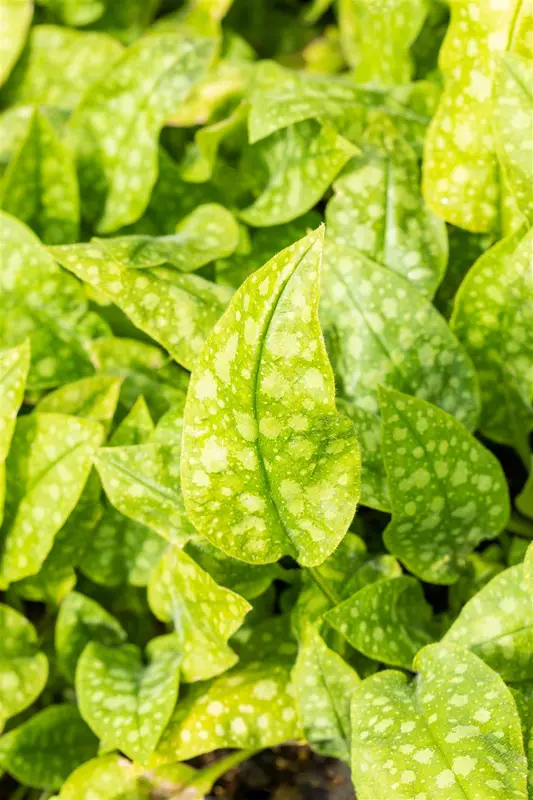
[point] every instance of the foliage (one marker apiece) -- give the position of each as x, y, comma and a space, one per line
266, 394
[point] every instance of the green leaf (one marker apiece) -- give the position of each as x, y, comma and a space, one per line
448, 492
14, 366
43, 751
206, 717
376, 38
524, 501
387, 620
40, 185
380, 330
497, 625
207, 233
378, 209
57, 67
15, 19
176, 309
143, 483
40, 302
145, 370
203, 614
109, 777
438, 736
93, 398
493, 318
528, 569
281, 459
135, 428
301, 161
460, 175
127, 703
80, 621
76, 12
47, 467
324, 684
124, 112
201, 155
23, 669
513, 120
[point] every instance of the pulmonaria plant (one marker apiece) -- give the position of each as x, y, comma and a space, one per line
266, 394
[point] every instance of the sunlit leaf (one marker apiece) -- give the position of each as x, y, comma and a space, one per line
448, 492
281, 459
15, 19
92, 398
14, 366
110, 777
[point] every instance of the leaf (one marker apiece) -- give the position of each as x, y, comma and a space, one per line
206, 717
143, 483
201, 155
187, 306
460, 176
40, 185
126, 703
15, 19
93, 398
513, 119
437, 735
380, 330
497, 625
14, 366
324, 684
524, 501
246, 456
528, 569
203, 614
76, 12
110, 777
43, 751
47, 467
387, 620
448, 492
121, 113
301, 162
145, 370
40, 302
493, 318
376, 38
378, 209
80, 621
58, 65
207, 233
136, 427
23, 669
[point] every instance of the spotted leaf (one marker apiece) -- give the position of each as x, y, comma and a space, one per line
497, 625
176, 309
493, 318
14, 366
380, 330
23, 669
15, 19
47, 467
80, 621
376, 38
277, 455
44, 750
324, 684
93, 398
122, 114
438, 472
437, 735
128, 703
387, 620
204, 615
301, 161
460, 175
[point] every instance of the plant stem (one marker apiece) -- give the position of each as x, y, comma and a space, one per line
327, 591
203, 782
520, 525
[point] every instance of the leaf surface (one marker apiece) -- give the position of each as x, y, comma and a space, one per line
15, 20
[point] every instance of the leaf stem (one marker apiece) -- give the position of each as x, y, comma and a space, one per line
327, 591
520, 525
203, 782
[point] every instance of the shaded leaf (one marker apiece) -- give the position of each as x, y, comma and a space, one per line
15, 19
80, 621
323, 684
23, 669
126, 703
136, 427
387, 620
14, 366
201, 155
43, 751
437, 735
203, 614
121, 113
76, 12
176, 309
301, 161
282, 460
47, 467
448, 492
